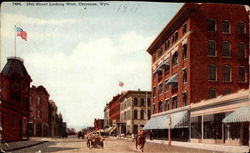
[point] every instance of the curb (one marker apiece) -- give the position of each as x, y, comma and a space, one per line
18, 148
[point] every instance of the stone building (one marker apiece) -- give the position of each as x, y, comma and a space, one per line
135, 110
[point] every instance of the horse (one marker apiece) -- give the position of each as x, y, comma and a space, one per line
140, 141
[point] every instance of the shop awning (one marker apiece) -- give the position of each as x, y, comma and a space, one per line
179, 120
173, 79
113, 129
164, 64
158, 70
241, 114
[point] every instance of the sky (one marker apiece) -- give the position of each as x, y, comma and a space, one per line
79, 53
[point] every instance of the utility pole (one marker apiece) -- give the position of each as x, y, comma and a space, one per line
169, 129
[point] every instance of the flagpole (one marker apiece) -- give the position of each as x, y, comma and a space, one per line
15, 40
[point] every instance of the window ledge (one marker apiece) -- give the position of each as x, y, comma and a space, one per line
227, 81
212, 56
212, 80
227, 33
227, 57
242, 82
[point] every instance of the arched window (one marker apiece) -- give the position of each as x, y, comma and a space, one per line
142, 114
149, 114
142, 102
149, 102
135, 101
135, 114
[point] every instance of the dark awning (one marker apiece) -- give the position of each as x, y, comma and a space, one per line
164, 64
158, 70
241, 114
173, 79
179, 120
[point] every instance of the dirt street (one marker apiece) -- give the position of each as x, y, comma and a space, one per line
111, 145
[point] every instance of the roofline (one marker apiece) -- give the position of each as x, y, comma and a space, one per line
170, 23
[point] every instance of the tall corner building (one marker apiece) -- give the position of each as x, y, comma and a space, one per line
201, 54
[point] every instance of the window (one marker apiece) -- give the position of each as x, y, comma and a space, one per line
175, 58
159, 52
196, 127
154, 58
226, 49
211, 48
166, 86
212, 72
227, 91
175, 85
149, 102
135, 114
241, 28
211, 25
241, 50
227, 73
135, 101
38, 100
175, 36
154, 92
242, 74
184, 29
175, 102
160, 107
184, 99
225, 26
167, 44
149, 114
160, 89
142, 114
13, 123
2, 121
213, 126
167, 104
212, 93
184, 75
184, 51
142, 102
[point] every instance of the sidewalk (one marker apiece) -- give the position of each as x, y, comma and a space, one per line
12, 146
212, 147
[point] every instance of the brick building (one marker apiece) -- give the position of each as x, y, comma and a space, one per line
14, 107
106, 123
39, 107
98, 124
135, 110
52, 117
114, 113
202, 53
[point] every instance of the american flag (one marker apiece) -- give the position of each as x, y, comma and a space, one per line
21, 33
121, 84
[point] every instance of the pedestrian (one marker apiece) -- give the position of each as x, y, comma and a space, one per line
133, 137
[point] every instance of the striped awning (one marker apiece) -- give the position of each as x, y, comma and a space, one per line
173, 79
241, 114
178, 120
164, 64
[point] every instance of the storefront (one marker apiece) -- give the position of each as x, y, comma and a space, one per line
212, 121
159, 124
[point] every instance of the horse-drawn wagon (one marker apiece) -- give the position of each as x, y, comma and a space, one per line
94, 140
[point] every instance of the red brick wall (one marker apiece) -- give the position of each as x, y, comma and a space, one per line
114, 107
42, 107
197, 61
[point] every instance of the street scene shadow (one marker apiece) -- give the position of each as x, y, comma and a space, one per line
46, 147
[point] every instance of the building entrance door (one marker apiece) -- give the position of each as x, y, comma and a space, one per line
246, 133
